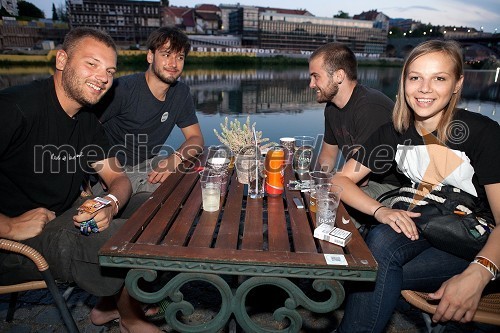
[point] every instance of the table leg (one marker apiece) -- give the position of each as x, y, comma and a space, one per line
233, 302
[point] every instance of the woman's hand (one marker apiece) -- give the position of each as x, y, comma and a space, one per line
399, 220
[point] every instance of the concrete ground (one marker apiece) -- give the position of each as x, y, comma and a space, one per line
36, 313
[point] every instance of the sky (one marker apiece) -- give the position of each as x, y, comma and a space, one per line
466, 13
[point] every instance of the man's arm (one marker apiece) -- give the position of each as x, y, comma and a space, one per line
26, 225
119, 186
328, 156
192, 146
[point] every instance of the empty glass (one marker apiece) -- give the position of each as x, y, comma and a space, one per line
302, 155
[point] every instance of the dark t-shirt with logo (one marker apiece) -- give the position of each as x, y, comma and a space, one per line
44, 153
137, 123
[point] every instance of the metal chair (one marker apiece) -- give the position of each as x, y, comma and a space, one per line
47, 282
488, 311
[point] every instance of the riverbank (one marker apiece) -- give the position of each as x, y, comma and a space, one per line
133, 58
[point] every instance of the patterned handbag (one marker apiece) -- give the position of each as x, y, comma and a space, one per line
451, 219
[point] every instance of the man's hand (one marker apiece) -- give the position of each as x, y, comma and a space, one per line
27, 225
164, 169
102, 217
460, 295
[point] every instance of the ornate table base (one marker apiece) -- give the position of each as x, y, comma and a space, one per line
233, 302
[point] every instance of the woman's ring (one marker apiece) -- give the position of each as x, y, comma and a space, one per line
396, 220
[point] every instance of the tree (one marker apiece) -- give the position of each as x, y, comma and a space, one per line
341, 14
27, 9
55, 17
62, 13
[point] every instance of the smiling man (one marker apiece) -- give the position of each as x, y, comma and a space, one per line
142, 109
352, 113
48, 142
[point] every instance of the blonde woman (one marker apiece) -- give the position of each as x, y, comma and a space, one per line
433, 143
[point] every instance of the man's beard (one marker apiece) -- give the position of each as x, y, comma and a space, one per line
327, 94
74, 90
164, 78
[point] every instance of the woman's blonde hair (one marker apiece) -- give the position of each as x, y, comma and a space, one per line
402, 116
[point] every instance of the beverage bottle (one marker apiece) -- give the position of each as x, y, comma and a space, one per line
274, 167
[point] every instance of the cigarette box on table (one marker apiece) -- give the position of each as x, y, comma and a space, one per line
332, 234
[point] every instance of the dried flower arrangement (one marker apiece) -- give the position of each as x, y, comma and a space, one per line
238, 136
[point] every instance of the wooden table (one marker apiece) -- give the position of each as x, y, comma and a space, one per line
266, 241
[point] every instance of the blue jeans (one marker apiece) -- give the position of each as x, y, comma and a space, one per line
403, 264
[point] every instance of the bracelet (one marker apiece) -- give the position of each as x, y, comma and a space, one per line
115, 200
376, 210
488, 264
179, 155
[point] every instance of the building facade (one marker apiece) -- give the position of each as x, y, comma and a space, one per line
29, 35
127, 21
295, 32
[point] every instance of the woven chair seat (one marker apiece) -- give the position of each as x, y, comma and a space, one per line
488, 310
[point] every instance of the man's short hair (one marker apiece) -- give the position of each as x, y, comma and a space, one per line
337, 56
179, 41
74, 36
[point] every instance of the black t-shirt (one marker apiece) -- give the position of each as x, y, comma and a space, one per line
137, 123
352, 125
470, 159
44, 152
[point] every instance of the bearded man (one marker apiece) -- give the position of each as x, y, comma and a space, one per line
352, 113
141, 110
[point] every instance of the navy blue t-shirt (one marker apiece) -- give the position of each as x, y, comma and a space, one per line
137, 123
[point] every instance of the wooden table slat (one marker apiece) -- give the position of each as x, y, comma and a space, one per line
277, 230
233, 256
227, 237
204, 231
253, 237
179, 232
164, 217
299, 222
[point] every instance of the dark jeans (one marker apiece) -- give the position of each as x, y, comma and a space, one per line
72, 257
403, 264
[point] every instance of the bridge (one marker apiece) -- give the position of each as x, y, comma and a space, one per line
482, 46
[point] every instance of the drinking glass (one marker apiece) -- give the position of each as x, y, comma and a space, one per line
327, 205
218, 161
210, 190
256, 179
316, 191
320, 177
219, 157
303, 153
289, 144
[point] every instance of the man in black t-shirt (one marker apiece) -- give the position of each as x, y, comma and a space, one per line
48, 141
352, 113
141, 110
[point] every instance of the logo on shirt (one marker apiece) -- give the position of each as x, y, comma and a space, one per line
164, 117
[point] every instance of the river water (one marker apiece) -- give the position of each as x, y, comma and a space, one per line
280, 102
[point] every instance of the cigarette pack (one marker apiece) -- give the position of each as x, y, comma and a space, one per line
332, 234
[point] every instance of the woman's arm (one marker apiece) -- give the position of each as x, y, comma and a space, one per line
460, 295
352, 195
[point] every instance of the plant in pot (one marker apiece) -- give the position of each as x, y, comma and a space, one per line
239, 137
